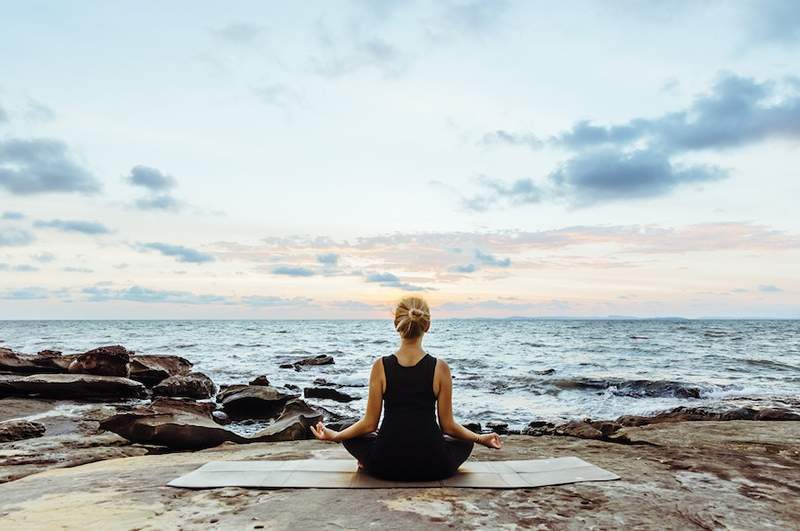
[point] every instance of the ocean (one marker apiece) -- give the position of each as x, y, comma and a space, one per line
514, 370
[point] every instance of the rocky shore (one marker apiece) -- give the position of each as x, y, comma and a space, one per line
698, 466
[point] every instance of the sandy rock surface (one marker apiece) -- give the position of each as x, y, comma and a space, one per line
686, 475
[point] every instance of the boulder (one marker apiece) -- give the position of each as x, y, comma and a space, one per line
46, 361
151, 369
192, 385
292, 424
17, 430
76, 386
252, 401
327, 393
498, 427
164, 404
320, 359
260, 380
341, 423
776, 413
179, 429
473, 426
103, 361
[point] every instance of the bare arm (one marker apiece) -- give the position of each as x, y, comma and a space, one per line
448, 424
372, 415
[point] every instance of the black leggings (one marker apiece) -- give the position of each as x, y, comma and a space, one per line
457, 450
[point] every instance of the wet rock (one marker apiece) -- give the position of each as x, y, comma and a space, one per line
15, 430
252, 401
150, 369
320, 359
76, 386
176, 428
46, 361
545, 372
342, 423
498, 427
192, 385
327, 393
538, 428
322, 381
220, 417
293, 387
775, 413
164, 404
473, 426
580, 429
110, 360
260, 380
292, 424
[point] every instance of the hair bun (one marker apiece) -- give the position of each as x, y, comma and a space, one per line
415, 313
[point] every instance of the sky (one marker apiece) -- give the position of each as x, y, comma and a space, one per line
322, 159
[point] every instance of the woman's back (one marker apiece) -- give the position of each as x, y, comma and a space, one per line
410, 444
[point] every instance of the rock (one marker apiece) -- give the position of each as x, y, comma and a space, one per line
473, 426
164, 404
192, 385
322, 381
103, 361
341, 423
260, 380
699, 477
46, 361
498, 427
77, 386
220, 417
252, 401
15, 430
293, 387
775, 413
321, 359
150, 369
292, 424
176, 428
580, 429
327, 393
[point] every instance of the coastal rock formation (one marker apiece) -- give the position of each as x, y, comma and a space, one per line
327, 393
192, 385
260, 380
46, 361
497, 426
150, 369
292, 424
15, 430
177, 428
74, 386
252, 401
708, 475
110, 360
320, 359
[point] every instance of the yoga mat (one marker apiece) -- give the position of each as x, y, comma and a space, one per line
344, 474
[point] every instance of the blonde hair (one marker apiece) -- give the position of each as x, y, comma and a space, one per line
412, 317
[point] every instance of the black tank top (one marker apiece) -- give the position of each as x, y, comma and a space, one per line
410, 444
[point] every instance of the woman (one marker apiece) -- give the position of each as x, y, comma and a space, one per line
409, 445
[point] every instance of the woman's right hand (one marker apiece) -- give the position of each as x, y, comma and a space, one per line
490, 440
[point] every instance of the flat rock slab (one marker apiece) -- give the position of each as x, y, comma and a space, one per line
343, 474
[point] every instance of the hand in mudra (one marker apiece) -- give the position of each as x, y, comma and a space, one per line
490, 440
322, 433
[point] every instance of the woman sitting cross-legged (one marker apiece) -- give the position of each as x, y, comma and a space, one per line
414, 385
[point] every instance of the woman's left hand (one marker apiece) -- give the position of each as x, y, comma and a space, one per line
322, 433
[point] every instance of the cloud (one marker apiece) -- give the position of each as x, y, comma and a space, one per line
292, 271
72, 269
353, 50
501, 137
15, 237
276, 302
490, 260
328, 259
150, 178
637, 159
24, 294
179, 252
769, 288
389, 280
774, 21
39, 112
12, 215
277, 94
3, 115
158, 202
142, 294
239, 33
83, 227
39, 166
23, 268
44, 257
468, 268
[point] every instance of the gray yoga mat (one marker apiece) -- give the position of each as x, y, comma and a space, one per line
343, 474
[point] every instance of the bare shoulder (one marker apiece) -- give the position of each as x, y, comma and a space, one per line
442, 367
